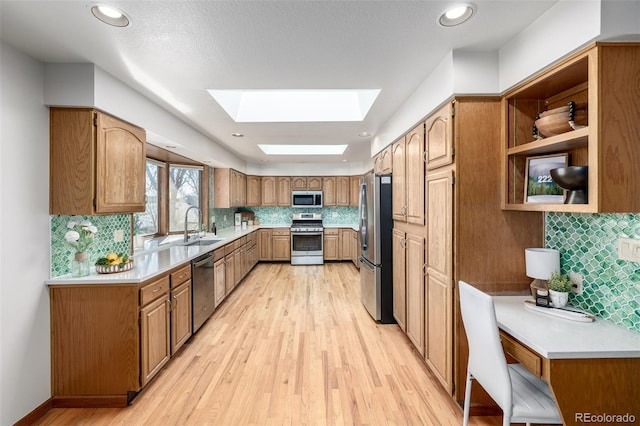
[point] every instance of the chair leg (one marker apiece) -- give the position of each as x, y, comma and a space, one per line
467, 400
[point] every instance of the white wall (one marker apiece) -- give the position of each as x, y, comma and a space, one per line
25, 364
308, 169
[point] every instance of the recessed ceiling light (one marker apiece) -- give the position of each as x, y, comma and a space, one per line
457, 14
171, 146
303, 149
110, 15
237, 135
295, 106
364, 134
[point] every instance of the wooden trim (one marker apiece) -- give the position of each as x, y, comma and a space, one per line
109, 401
36, 414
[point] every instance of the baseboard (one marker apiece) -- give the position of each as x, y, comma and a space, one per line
36, 414
108, 401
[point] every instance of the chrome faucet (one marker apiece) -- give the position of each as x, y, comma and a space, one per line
186, 215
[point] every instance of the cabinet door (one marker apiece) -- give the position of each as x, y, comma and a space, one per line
386, 162
414, 175
399, 278
219, 281
439, 283
331, 247
439, 140
242, 189
299, 183
264, 244
155, 338
229, 273
398, 182
180, 315
237, 266
329, 191
314, 183
254, 191
342, 190
354, 196
284, 191
269, 196
120, 166
345, 244
415, 290
281, 247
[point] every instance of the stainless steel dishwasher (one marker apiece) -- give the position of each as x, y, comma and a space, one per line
202, 273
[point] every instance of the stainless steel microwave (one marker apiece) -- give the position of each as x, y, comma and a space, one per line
308, 199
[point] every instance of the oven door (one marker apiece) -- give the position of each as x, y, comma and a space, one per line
307, 248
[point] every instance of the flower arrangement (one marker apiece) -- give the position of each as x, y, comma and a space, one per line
80, 235
559, 282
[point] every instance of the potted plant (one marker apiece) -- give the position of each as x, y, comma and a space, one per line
559, 288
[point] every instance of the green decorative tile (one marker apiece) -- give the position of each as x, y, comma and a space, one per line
588, 245
62, 253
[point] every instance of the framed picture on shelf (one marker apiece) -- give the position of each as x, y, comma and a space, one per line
538, 185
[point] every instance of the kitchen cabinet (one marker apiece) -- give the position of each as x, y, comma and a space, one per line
346, 243
398, 183
306, 183
399, 278
284, 191
97, 163
439, 278
355, 248
269, 195
229, 269
264, 244
343, 189
330, 241
383, 162
219, 277
155, 337
238, 260
329, 191
230, 188
281, 248
181, 308
254, 191
602, 76
439, 143
354, 190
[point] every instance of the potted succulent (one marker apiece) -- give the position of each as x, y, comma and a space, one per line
559, 288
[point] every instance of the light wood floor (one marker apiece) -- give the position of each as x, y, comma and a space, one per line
291, 345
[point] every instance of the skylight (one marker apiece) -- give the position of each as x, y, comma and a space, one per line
286, 106
303, 149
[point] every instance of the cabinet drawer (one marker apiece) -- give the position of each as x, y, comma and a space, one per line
218, 254
228, 249
239, 242
525, 356
154, 290
280, 232
252, 237
331, 231
180, 276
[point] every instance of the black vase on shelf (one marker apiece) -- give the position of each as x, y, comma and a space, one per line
575, 180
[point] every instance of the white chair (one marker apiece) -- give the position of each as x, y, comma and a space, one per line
523, 397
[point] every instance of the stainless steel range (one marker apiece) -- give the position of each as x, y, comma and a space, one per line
307, 234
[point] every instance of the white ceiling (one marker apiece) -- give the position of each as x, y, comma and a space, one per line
175, 50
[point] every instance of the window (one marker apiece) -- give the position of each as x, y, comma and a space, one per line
147, 223
184, 192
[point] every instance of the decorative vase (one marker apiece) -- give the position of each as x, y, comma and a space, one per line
558, 298
80, 265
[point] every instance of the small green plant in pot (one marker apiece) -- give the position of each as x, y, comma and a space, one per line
559, 288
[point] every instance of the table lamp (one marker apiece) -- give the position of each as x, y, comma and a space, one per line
540, 264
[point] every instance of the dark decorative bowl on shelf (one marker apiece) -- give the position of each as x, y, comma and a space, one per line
575, 180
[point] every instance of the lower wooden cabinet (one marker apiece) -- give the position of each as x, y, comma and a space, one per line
281, 248
264, 244
155, 337
219, 279
399, 278
229, 270
331, 244
180, 316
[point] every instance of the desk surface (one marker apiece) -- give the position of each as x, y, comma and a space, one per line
558, 338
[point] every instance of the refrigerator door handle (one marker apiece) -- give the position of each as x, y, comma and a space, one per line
366, 264
364, 235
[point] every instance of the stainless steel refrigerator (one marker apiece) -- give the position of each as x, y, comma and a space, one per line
375, 223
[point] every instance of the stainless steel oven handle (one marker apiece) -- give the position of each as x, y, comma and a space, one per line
307, 233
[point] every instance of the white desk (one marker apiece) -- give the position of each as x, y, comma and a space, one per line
592, 368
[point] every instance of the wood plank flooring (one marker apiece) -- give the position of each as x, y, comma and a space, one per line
291, 345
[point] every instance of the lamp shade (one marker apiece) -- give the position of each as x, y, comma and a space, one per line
541, 262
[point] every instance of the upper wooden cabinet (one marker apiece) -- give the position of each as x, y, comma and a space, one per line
329, 191
254, 191
314, 183
269, 196
383, 162
398, 183
438, 138
97, 163
342, 190
283, 191
304, 183
230, 188
605, 76
354, 190
408, 177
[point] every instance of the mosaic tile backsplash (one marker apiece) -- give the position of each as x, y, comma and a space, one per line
588, 246
331, 216
62, 253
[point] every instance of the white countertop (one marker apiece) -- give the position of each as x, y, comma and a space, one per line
152, 263
558, 338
